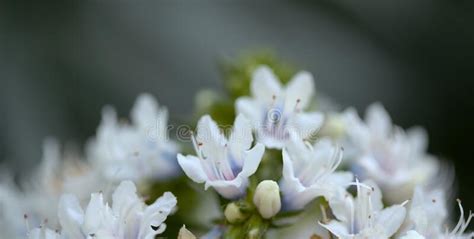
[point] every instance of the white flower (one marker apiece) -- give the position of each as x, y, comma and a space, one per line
12, 208
427, 213
137, 151
396, 160
309, 172
412, 235
364, 217
57, 173
224, 164
276, 112
43, 233
267, 198
128, 218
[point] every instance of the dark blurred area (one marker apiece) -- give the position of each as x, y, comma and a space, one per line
62, 61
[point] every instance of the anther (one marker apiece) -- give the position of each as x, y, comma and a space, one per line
27, 224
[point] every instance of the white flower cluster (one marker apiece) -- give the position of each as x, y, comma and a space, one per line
380, 152
322, 156
128, 217
120, 151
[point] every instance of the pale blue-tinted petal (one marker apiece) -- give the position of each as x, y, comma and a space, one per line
252, 160
290, 185
241, 138
232, 189
209, 137
156, 214
305, 124
299, 91
192, 168
265, 85
251, 109
338, 229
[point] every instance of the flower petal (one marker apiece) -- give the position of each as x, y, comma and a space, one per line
378, 119
251, 109
390, 219
290, 185
124, 197
210, 136
412, 235
375, 195
241, 138
299, 91
337, 228
232, 189
156, 214
265, 85
43, 233
340, 179
418, 138
71, 216
305, 124
235, 188
341, 206
252, 159
144, 112
92, 217
356, 129
192, 167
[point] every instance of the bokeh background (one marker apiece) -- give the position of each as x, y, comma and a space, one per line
62, 61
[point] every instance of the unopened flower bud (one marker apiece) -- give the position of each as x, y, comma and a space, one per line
233, 214
185, 233
254, 234
333, 126
267, 198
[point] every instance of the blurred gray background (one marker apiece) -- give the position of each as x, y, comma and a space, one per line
61, 61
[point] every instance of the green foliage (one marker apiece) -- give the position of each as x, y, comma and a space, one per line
236, 76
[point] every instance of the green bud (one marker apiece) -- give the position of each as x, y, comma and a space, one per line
233, 214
